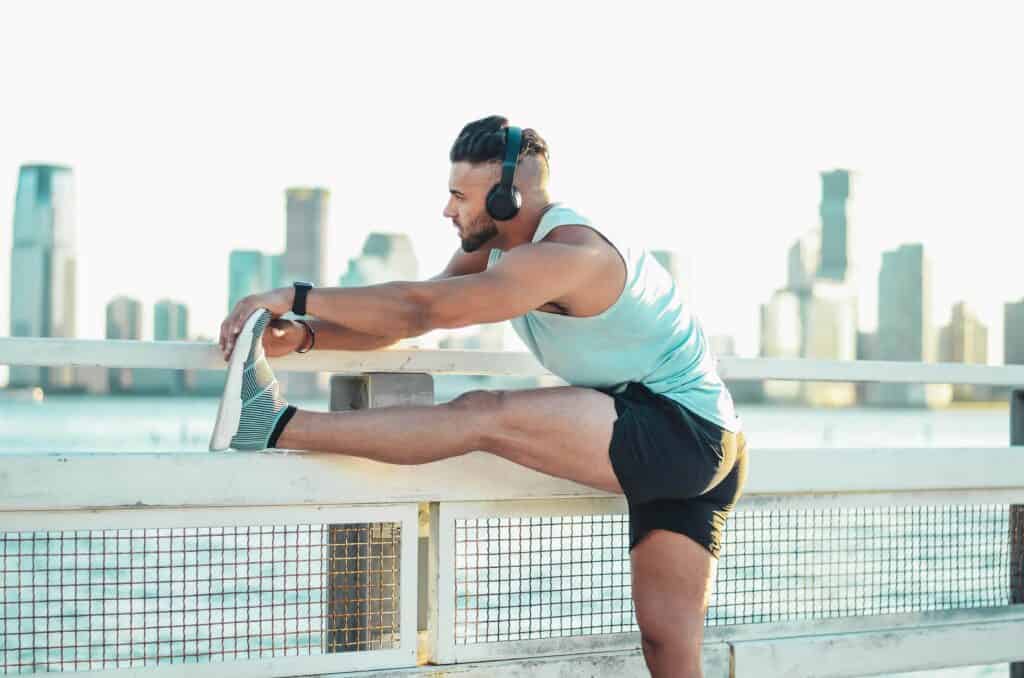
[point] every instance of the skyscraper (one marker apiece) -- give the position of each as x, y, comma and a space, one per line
396, 250
252, 272
385, 257
782, 329
245, 275
306, 235
1013, 333
170, 323
835, 232
803, 262
43, 267
124, 321
830, 333
905, 328
965, 340
304, 259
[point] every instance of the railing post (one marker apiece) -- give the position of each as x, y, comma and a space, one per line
357, 601
1017, 520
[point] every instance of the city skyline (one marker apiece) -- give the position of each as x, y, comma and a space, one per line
722, 166
810, 261
813, 316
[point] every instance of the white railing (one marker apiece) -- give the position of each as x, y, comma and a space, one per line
62, 492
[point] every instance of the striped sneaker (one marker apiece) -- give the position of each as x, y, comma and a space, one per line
252, 401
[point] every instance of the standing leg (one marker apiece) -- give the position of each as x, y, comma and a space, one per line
672, 579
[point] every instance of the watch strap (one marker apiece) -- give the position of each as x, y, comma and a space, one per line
299, 302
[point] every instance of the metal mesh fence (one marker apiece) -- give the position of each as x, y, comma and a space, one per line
523, 578
102, 599
533, 578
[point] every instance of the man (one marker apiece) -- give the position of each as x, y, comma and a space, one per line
646, 414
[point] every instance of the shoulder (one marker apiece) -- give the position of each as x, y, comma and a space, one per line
566, 226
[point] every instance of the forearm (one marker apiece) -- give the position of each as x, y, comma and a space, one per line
334, 337
388, 310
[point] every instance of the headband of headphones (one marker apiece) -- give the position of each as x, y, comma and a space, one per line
513, 143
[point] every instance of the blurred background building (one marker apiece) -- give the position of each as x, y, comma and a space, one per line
815, 315
170, 323
905, 326
386, 257
43, 268
253, 272
965, 340
124, 321
305, 258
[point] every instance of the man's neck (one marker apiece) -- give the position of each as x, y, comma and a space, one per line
530, 223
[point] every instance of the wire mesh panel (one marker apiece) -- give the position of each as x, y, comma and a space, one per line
799, 565
110, 598
525, 578
541, 577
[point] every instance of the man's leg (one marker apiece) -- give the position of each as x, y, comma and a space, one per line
672, 577
564, 432
561, 431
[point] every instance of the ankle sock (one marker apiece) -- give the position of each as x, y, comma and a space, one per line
285, 417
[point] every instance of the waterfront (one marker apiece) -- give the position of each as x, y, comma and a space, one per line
165, 424
79, 423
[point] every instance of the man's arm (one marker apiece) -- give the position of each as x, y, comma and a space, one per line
333, 337
526, 278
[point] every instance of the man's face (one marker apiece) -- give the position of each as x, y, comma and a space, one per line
467, 188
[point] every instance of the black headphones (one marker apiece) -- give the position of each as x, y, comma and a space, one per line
503, 200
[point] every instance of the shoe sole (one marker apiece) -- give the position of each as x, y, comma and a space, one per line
229, 413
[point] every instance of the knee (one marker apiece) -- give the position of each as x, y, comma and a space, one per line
478, 401
481, 412
671, 644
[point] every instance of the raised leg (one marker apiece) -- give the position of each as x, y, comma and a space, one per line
561, 431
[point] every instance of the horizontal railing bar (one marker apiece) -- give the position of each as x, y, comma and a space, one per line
33, 481
881, 371
206, 355
190, 517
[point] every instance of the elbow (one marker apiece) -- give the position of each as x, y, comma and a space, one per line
421, 313
431, 317
429, 311
441, 317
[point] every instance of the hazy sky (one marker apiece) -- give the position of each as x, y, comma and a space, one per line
701, 128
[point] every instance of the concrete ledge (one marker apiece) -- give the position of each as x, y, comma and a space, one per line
620, 664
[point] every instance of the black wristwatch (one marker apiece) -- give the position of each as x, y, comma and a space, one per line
301, 290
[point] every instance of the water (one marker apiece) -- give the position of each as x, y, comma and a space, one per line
167, 424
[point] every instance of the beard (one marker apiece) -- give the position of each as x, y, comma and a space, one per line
484, 229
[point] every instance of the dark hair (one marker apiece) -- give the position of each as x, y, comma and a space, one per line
484, 141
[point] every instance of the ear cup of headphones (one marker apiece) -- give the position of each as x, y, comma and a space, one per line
503, 204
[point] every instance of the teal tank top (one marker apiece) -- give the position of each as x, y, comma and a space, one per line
649, 335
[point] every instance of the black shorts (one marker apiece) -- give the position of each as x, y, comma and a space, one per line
679, 471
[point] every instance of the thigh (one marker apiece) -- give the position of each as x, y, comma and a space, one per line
564, 431
672, 577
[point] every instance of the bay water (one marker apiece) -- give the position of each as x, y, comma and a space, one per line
132, 424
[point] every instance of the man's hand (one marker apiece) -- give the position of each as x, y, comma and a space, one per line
278, 302
283, 337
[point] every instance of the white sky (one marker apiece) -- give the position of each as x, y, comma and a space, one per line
701, 127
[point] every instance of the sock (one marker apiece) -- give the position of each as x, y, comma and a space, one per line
289, 412
262, 402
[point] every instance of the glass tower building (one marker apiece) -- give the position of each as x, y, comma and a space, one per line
43, 267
